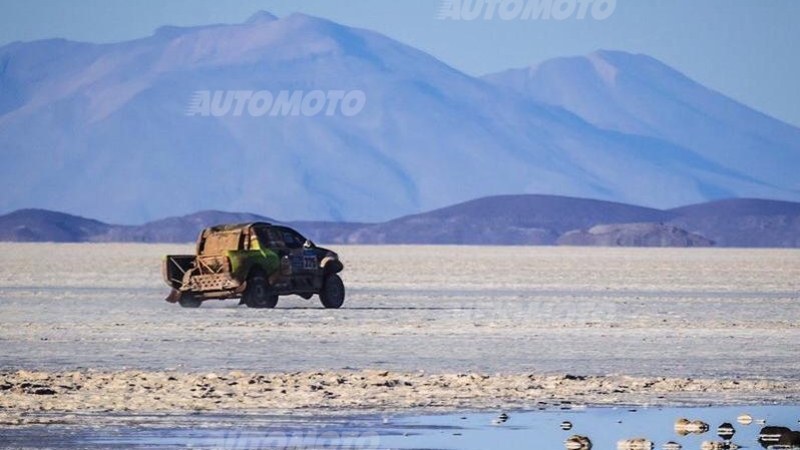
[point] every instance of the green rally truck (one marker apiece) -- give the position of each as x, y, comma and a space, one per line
255, 262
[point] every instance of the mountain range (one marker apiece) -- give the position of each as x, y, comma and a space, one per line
102, 130
499, 220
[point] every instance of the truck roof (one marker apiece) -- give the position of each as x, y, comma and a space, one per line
236, 226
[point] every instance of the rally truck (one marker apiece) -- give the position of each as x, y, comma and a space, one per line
256, 263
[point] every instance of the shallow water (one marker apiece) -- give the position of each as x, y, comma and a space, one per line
605, 427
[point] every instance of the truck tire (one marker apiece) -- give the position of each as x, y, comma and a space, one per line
332, 294
257, 293
187, 300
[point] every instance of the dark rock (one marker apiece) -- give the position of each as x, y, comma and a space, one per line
43, 391
634, 235
771, 435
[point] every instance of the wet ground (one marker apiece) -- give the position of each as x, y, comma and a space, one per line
604, 427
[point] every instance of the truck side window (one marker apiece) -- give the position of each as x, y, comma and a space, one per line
275, 239
263, 239
292, 240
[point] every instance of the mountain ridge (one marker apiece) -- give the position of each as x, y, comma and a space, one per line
499, 220
611, 89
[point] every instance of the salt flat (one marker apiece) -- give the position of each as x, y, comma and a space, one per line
682, 312
718, 314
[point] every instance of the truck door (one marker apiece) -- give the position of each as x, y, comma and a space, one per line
302, 260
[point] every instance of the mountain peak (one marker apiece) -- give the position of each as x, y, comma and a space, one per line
606, 70
639, 95
610, 55
300, 20
633, 62
261, 17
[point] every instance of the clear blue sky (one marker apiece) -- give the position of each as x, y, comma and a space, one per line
747, 49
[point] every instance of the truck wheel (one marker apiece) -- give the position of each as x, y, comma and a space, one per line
332, 294
188, 300
257, 294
